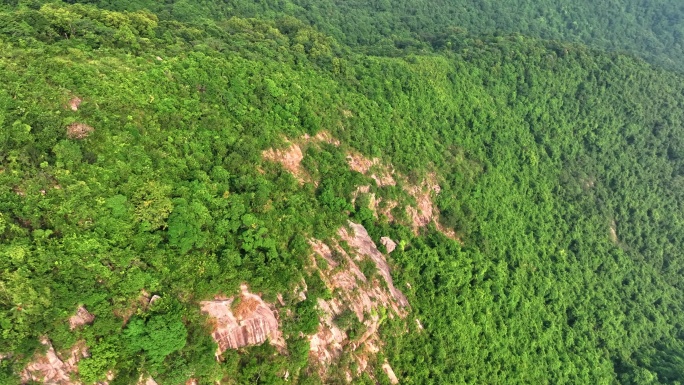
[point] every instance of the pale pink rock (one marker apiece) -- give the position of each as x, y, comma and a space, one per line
74, 103
51, 369
82, 317
363, 165
253, 322
366, 247
354, 291
390, 373
389, 244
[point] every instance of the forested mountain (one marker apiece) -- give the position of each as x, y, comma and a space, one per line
651, 29
522, 197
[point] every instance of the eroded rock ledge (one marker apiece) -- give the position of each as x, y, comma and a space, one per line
420, 215
366, 297
250, 321
49, 368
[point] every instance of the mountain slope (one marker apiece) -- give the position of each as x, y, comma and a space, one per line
133, 160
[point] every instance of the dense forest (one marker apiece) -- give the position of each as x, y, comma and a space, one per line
650, 29
132, 142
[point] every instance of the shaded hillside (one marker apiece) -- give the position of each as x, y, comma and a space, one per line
139, 157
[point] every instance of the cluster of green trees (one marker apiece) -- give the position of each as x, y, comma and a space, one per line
561, 169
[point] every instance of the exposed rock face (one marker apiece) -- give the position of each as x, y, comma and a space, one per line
358, 294
154, 299
386, 209
290, 157
81, 318
252, 322
354, 291
328, 343
426, 211
613, 232
390, 373
74, 103
422, 215
141, 303
322, 137
79, 130
366, 247
389, 244
379, 206
51, 369
382, 176
147, 381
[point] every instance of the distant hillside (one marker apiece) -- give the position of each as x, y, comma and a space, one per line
653, 30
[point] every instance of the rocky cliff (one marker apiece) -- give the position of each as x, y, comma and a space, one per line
243, 320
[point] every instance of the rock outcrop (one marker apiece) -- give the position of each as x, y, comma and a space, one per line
390, 373
49, 368
82, 317
380, 174
613, 232
389, 244
362, 242
291, 156
328, 342
366, 297
142, 303
74, 103
249, 322
146, 381
424, 212
79, 130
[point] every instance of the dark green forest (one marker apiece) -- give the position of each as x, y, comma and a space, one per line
555, 132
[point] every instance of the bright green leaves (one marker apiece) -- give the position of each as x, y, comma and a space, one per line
172, 195
255, 239
153, 205
63, 19
306, 316
23, 297
95, 367
159, 333
125, 37
157, 337
334, 202
272, 88
3, 223
118, 206
68, 154
16, 135
140, 22
188, 225
128, 29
